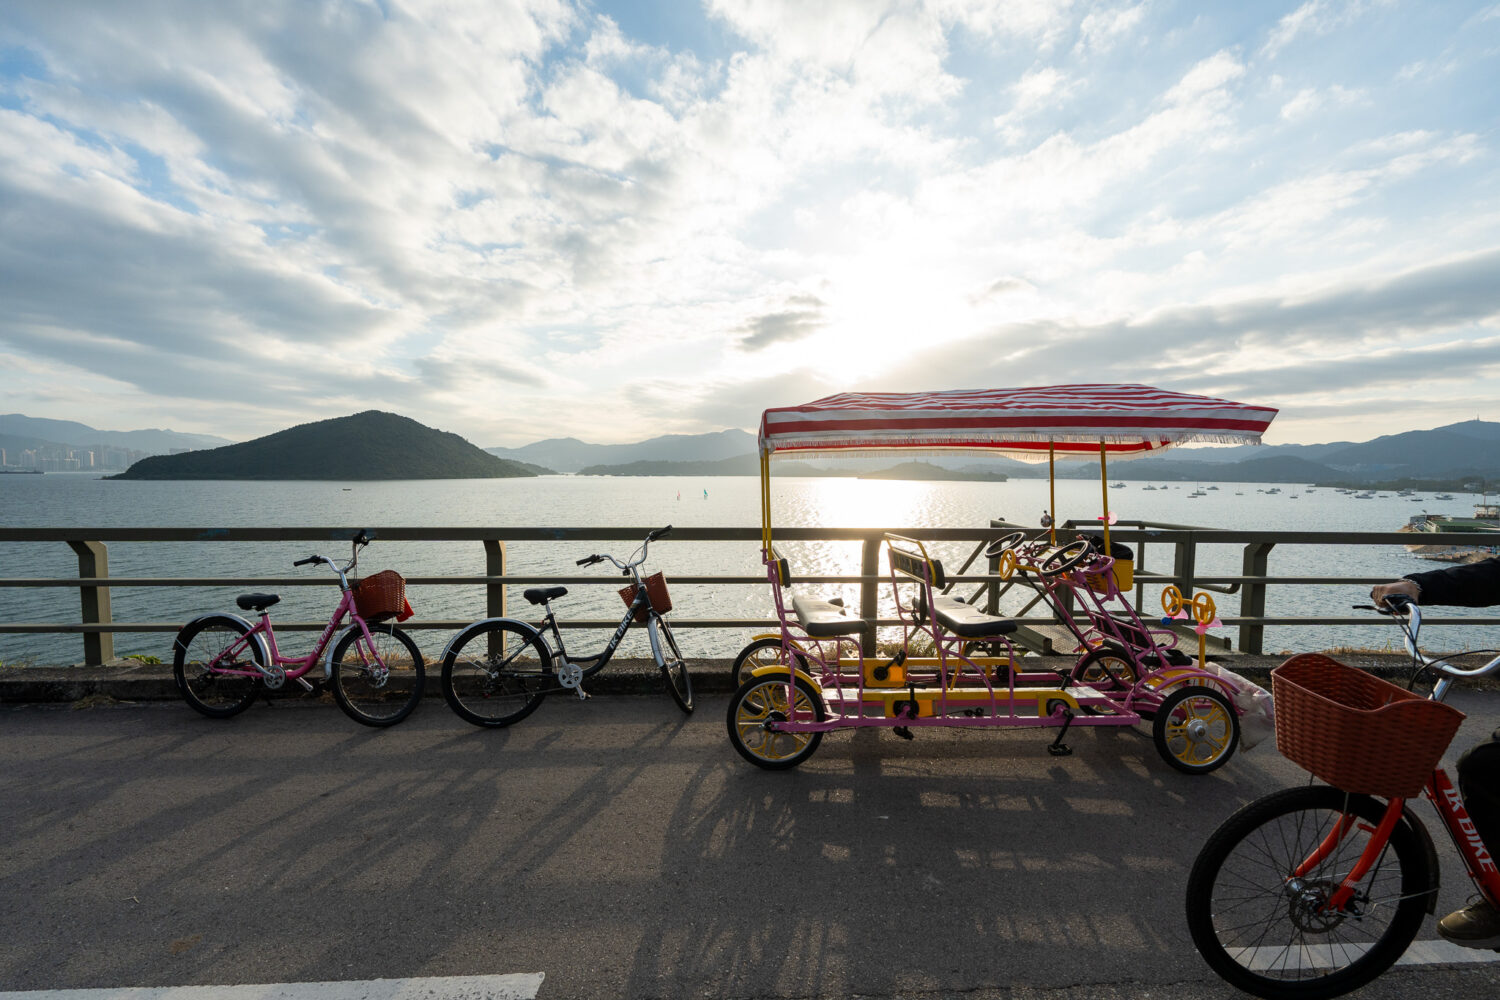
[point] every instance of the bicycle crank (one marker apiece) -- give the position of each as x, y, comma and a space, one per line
570, 675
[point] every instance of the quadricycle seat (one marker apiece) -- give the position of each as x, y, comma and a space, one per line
952, 615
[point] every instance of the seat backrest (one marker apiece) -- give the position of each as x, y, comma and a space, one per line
916, 567
783, 572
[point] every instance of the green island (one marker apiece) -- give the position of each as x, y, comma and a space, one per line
365, 446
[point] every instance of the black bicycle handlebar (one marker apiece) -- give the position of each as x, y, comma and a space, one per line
590, 560
653, 536
309, 559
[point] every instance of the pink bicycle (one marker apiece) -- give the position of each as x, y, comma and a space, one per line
1313, 891
221, 661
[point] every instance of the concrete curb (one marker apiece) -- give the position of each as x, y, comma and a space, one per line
135, 682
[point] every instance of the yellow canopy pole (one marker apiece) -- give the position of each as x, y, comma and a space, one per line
1051, 493
765, 505
1104, 488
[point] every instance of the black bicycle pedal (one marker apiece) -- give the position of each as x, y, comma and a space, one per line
903, 732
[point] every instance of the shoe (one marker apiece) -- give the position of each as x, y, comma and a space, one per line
1475, 926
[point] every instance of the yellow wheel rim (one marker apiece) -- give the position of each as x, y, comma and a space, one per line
767, 702
1199, 730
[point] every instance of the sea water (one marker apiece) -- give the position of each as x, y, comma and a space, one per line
82, 500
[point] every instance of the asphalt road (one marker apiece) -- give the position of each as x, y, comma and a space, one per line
618, 848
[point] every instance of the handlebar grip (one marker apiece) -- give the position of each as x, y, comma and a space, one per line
304, 562
588, 560
658, 533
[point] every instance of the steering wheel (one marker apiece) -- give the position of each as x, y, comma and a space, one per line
1003, 544
1202, 604
1066, 558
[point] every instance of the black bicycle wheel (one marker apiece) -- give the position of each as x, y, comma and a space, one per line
212, 664
765, 652
762, 701
1196, 729
497, 673
674, 668
379, 686
1262, 927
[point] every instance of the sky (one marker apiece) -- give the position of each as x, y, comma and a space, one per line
544, 218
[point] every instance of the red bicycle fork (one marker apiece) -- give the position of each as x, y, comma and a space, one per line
1478, 861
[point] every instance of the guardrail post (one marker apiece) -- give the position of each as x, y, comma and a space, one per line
1253, 597
1184, 565
869, 591
494, 593
93, 561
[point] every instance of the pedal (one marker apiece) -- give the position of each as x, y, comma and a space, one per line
307, 684
903, 732
582, 694
1057, 747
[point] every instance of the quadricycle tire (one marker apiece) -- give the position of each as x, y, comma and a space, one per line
497, 674
215, 695
1108, 670
763, 700
674, 668
761, 653
1260, 925
362, 692
1196, 729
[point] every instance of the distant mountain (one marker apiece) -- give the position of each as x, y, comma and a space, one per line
741, 465
572, 455
365, 446
70, 432
927, 472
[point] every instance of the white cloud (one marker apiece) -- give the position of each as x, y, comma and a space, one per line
1100, 30
524, 201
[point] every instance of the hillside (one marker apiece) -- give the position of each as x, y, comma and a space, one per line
37, 431
365, 446
573, 455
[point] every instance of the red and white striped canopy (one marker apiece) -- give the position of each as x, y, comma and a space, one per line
1130, 420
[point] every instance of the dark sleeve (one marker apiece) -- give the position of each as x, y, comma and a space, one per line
1475, 585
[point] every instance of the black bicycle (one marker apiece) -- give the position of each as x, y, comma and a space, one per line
498, 670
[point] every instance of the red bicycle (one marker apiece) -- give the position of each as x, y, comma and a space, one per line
1314, 891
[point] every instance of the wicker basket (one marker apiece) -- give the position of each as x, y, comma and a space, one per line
1358, 732
380, 595
656, 592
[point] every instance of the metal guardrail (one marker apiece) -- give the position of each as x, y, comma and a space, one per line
97, 625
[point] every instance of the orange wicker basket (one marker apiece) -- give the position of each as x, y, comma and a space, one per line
1356, 731
656, 592
380, 595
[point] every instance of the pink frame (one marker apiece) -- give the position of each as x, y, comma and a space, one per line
299, 665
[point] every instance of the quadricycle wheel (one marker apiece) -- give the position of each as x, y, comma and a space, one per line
1196, 729
758, 705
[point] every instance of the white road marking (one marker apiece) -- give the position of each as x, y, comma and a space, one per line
519, 986
1433, 952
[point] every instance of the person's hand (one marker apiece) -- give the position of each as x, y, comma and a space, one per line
1405, 588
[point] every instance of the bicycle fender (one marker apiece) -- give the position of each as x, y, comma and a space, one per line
334, 644
777, 636
256, 637
779, 669
463, 634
